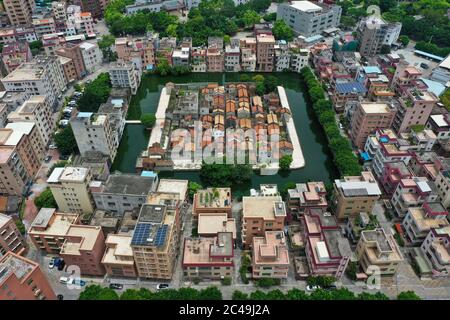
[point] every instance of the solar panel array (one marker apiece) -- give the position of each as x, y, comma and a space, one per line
161, 235
351, 87
141, 233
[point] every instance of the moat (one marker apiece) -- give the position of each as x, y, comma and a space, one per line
319, 164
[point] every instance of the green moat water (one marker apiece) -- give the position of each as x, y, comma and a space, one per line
319, 165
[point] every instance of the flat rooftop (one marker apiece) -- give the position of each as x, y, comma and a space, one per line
425, 223
56, 225
82, 238
214, 198
117, 246
205, 251
212, 223
270, 249
305, 6
128, 184
179, 187
13, 264
263, 207
74, 174
379, 236
375, 107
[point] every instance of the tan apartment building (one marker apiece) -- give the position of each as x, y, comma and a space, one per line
10, 237
212, 200
37, 109
22, 279
368, 117
49, 228
215, 59
70, 188
209, 224
376, 248
118, 259
13, 175
73, 51
270, 256
155, 241
261, 214
265, 52
19, 11
355, 194
84, 247
436, 249
209, 258
70, 73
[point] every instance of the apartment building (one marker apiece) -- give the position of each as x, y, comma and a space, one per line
210, 224
59, 10
43, 76
412, 193
84, 247
123, 192
19, 11
43, 26
306, 195
22, 279
393, 173
355, 194
212, 200
309, 19
118, 259
232, 57
125, 74
327, 251
70, 188
180, 57
10, 237
94, 134
14, 54
209, 258
419, 221
248, 60
48, 229
405, 76
155, 240
414, 109
38, 110
378, 249
214, 59
436, 249
270, 256
198, 59
95, 7
442, 183
80, 22
143, 48
373, 33
92, 56
261, 214
368, 117
388, 152
23, 154
70, 72
73, 51
265, 52
440, 125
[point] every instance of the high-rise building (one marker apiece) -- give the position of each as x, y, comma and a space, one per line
22, 279
265, 52
10, 237
373, 33
19, 11
125, 74
70, 188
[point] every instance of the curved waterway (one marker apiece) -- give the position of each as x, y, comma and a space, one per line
319, 165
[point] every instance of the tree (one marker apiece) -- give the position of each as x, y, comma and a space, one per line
105, 44
250, 17
404, 40
408, 295
148, 120
193, 187
226, 281
96, 292
285, 162
239, 295
20, 226
267, 282
35, 47
282, 31
95, 93
260, 88
210, 293
45, 200
226, 39
225, 175
131, 294
171, 30
270, 83
65, 140
322, 281
285, 188
296, 294
258, 78
385, 49
245, 77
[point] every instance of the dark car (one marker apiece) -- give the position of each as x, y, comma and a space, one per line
47, 159
424, 65
60, 297
116, 286
61, 265
63, 157
331, 287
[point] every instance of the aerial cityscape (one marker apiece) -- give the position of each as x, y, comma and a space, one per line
224, 150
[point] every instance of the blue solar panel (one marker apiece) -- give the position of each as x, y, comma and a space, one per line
350, 87
161, 235
141, 233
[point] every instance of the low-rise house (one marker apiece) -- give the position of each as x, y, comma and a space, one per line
118, 258
209, 258
436, 248
306, 195
270, 256
209, 224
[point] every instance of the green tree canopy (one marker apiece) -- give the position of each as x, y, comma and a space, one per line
285, 162
282, 31
65, 140
45, 200
148, 120
95, 93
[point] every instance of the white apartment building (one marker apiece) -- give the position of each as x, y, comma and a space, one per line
43, 76
248, 60
70, 188
79, 22
59, 10
125, 74
299, 59
307, 18
92, 56
180, 57
94, 134
38, 110
232, 58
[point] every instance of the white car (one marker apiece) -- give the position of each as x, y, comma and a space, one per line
162, 286
65, 280
312, 288
52, 146
51, 264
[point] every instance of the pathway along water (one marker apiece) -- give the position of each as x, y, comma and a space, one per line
319, 164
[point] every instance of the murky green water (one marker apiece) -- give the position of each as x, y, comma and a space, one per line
319, 165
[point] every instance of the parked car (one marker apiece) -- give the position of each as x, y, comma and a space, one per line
331, 287
61, 265
341, 126
47, 159
65, 280
60, 297
116, 286
312, 288
52, 146
64, 157
63, 123
424, 65
162, 286
51, 264
78, 282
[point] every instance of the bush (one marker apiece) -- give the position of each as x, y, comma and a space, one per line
408, 295
267, 282
20, 226
322, 281
226, 281
196, 280
285, 162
